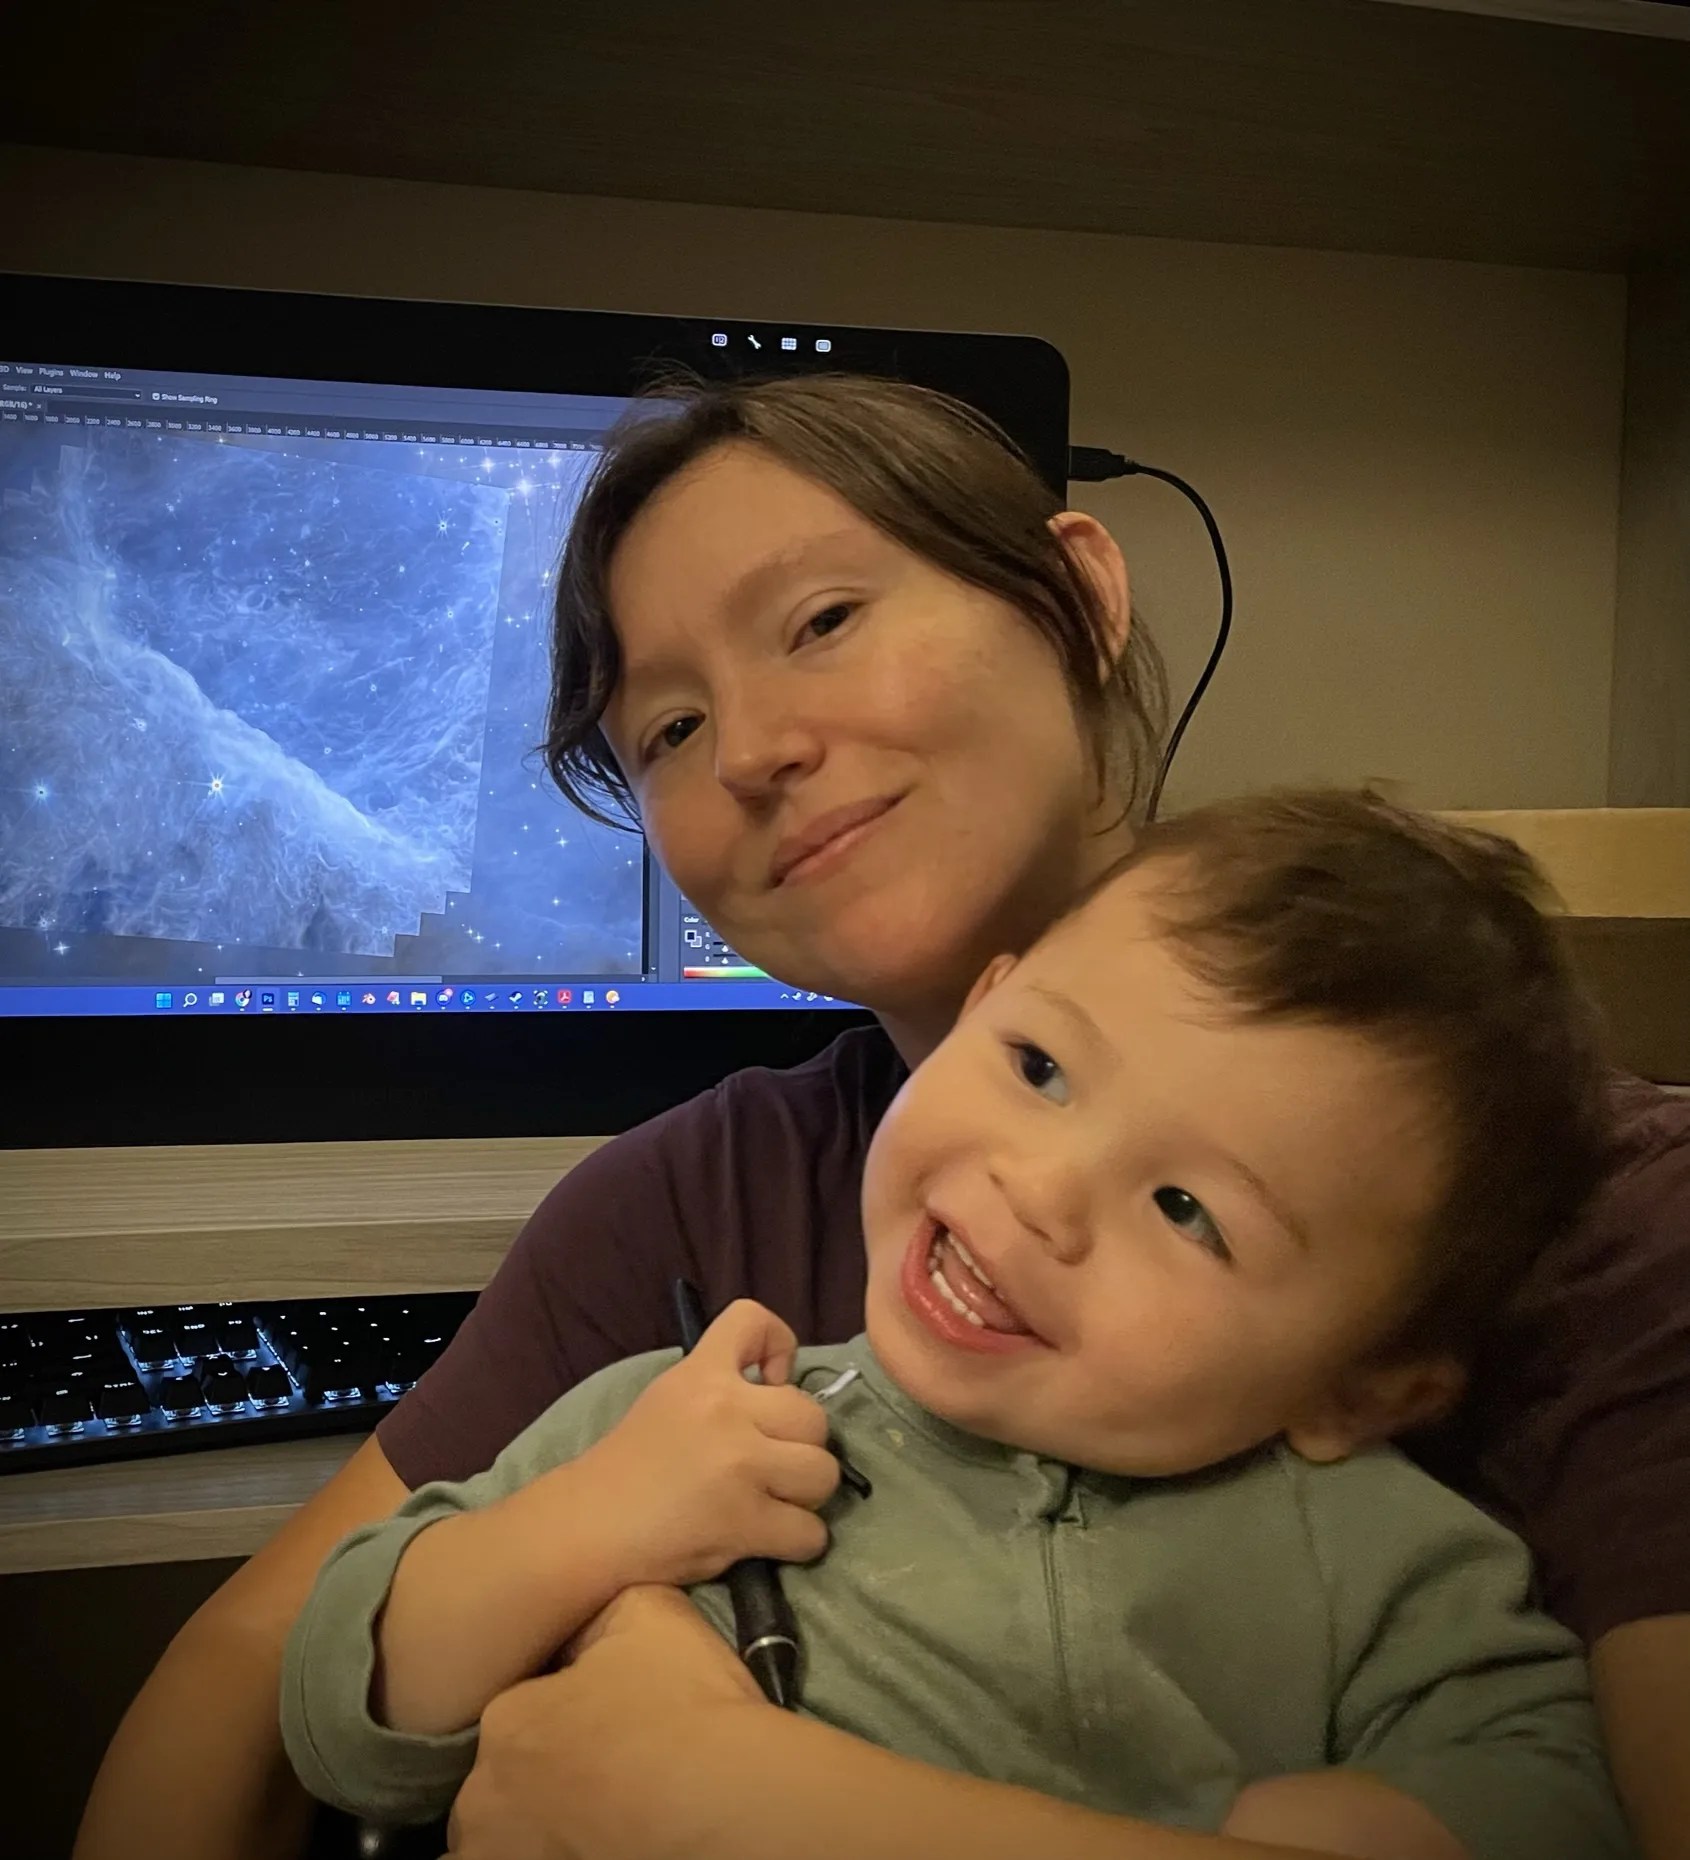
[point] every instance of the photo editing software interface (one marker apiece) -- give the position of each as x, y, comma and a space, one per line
273, 669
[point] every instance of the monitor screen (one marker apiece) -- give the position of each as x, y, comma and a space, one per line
275, 582
277, 657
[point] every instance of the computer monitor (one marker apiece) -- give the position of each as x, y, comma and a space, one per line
275, 574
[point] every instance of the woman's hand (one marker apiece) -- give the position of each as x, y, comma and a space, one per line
601, 1761
657, 1745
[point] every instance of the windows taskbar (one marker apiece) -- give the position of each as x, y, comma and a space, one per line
408, 995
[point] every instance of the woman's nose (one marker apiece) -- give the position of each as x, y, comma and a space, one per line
762, 742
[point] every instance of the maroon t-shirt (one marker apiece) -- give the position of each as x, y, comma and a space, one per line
1577, 1434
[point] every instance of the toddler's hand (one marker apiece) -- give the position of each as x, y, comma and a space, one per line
706, 1467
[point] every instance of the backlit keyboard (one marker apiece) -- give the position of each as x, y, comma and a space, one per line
81, 1386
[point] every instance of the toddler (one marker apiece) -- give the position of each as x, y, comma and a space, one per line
1202, 1200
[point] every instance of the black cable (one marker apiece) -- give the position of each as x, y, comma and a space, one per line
1095, 464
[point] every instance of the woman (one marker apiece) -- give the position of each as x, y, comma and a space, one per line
881, 709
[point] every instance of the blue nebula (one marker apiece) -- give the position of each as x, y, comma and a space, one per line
269, 707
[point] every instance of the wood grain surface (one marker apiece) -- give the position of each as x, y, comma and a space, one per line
178, 1508
177, 1225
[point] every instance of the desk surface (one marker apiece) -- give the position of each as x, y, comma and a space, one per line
180, 1507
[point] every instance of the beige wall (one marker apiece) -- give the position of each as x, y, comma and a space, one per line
1649, 751
1415, 463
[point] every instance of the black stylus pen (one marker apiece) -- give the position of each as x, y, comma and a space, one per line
764, 1630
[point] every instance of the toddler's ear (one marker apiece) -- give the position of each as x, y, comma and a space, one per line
986, 981
1375, 1403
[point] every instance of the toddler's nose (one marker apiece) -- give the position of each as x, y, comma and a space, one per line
1042, 1198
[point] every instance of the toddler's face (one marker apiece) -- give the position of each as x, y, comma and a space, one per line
1196, 1228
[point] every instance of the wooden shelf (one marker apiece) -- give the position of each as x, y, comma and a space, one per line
176, 1225
224, 1501
1429, 129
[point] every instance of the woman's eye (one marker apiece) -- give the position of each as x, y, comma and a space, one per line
671, 736
1189, 1215
1039, 1070
829, 620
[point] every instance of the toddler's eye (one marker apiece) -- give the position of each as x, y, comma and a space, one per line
1040, 1071
829, 620
1189, 1215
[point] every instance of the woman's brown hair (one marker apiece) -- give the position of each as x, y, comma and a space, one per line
928, 471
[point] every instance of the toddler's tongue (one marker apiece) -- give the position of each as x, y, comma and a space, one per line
986, 1305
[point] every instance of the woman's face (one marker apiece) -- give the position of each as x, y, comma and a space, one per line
865, 773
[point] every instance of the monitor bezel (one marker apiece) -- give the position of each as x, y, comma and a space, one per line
127, 1080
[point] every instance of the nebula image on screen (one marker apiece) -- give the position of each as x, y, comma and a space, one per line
269, 707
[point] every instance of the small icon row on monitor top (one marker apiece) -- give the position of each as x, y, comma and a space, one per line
823, 344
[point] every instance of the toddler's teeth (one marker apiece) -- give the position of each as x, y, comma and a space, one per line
956, 1303
969, 1261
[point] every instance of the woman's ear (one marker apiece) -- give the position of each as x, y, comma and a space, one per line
1097, 555
986, 981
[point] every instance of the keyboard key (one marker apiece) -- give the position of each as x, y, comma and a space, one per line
152, 1347
237, 1336
403, 1365
180, 1396
194, 1339
67, 1407
119, 1401
269, 1383
341, 1376
16, 1416
224, 1385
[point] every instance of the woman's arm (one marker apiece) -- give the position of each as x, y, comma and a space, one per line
813, 1786
764, 1789
197, 1769
1642, 1675
1341, 1812
656, 1741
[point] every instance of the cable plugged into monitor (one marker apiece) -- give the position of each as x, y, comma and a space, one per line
1096, 464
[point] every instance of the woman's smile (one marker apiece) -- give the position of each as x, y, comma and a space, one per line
820, 848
